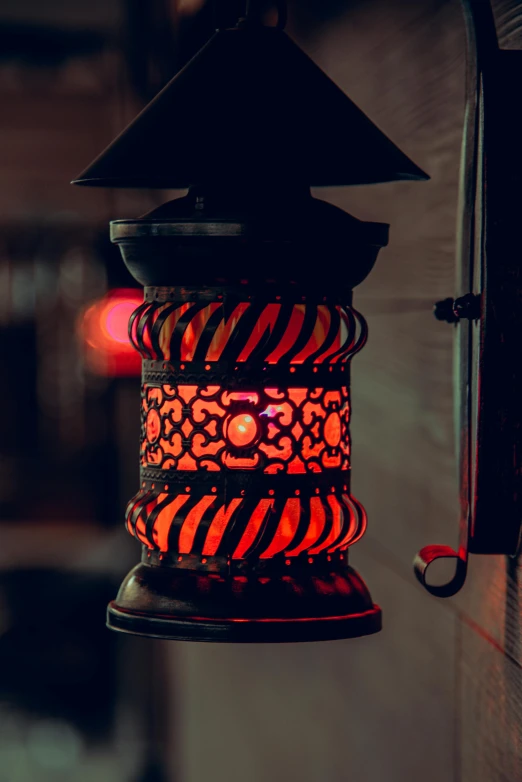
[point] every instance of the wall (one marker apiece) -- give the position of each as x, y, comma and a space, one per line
438, 694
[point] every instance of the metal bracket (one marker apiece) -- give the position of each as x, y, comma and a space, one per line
452, 310
487, 310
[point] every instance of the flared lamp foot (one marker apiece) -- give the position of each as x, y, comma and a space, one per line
168, 603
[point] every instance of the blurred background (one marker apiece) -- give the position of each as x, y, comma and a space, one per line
438, 694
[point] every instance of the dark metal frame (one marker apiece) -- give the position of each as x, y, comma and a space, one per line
305, 591
487, 308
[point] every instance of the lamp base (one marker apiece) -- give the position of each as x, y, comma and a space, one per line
170, 603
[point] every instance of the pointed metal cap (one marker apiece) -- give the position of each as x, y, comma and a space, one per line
250, 106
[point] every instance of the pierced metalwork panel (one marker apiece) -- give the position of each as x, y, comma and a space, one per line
292, 431
245, 441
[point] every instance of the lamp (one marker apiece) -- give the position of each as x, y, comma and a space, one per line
247, 332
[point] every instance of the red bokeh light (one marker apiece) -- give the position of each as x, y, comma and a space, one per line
103, 330
117, 316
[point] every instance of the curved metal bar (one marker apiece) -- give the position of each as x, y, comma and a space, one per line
430, 554
482, 48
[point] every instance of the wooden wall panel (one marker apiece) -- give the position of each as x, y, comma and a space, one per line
368, 709
438, 694
491, 712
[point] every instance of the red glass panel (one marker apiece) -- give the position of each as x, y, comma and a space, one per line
224, 331
291, 334
341, 340
252, 528
167, 330
267, 321
187, 462
164, 521
298, 431
318, 337
332, 429
347, 523
286, 530
140, 527
223, 328
190, 525
218, 526
194, 331
241, 462
315, 527
337, 525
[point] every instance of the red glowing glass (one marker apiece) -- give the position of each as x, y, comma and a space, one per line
242, 430
274, 432
245, 446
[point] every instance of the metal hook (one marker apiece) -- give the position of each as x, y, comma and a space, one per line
430, 554
482, 47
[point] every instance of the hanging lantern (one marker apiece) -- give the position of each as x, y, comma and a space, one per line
247, 331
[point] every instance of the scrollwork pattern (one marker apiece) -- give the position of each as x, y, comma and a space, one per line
301, 430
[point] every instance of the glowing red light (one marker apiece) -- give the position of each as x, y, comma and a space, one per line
117, 316
103, 329
153, 425
332, 429
242, 430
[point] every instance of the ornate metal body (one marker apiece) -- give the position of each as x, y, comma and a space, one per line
246, 332
245, 452
244, 511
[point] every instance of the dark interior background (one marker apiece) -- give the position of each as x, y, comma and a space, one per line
438, 694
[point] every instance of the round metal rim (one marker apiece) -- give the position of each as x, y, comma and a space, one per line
247, 630
367, 233
143, 229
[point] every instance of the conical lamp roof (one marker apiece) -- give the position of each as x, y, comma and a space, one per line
250, 106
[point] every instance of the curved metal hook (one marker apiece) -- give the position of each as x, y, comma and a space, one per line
482, 46
430, 554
